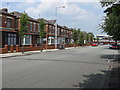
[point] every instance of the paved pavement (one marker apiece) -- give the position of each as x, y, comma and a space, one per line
71, 68
114, 76
6, 55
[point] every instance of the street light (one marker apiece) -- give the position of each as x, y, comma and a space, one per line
56, 25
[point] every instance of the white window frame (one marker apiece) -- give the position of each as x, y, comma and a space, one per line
24, 39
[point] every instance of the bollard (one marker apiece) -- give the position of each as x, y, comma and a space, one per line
31, 45
6, 47
12, 48
17, 48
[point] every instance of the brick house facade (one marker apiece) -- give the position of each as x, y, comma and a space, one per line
10, 26
64, 34
8, 29
32, 37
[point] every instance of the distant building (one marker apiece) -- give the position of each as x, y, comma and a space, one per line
104, 38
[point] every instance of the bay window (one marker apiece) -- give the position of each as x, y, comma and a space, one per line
11, 39
27, 40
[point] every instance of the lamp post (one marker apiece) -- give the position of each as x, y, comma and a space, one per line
56, 25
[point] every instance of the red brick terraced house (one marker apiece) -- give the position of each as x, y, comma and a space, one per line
32, 37
10, 25
64, 34
8, 29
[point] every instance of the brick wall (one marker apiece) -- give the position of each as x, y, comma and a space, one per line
4, 20
4, 50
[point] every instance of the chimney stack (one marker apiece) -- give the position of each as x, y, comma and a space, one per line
5, 9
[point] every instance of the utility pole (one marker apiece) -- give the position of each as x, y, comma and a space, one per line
56, 25
7, 5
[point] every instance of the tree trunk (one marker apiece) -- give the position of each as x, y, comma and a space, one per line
22, 47
41, 45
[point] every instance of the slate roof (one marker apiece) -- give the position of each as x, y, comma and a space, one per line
5, 11
18, 14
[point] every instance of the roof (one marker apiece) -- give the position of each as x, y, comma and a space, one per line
5, 11
18, 14
51, 21
48, 21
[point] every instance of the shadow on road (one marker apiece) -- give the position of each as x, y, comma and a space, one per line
111, 76
112, 80
114, 57
92, 81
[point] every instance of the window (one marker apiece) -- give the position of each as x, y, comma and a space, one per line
0, 21
11, 39
58, 31
16, 23
34, 27
30, 26
9, 23
51, 40
51, 29
62, 31
27, 40
38, 40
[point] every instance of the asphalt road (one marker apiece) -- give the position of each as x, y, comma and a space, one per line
83, 67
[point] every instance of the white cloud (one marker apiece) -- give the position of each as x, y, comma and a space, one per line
75, 11
40, 9
52, 0
48, 9
73, 15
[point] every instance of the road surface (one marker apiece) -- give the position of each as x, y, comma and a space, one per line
83, 67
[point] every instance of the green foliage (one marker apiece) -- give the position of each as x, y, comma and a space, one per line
79, 36
91, 37
42, 28
111, 24
106, 3
42, 33
97, 39
81, 39
75, 34
87, 37
23, 24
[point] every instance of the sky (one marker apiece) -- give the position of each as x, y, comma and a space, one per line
83, 14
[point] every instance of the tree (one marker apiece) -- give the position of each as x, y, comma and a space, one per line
97, 38
42, 31
91, 36
108, 2
81, 38
75, 36
87, 38
111, 24
23, 27
78, 35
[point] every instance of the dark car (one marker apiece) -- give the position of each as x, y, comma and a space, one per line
114, 46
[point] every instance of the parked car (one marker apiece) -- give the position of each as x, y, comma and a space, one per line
94, 44
114, 46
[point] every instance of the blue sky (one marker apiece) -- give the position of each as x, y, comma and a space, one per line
84, 15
